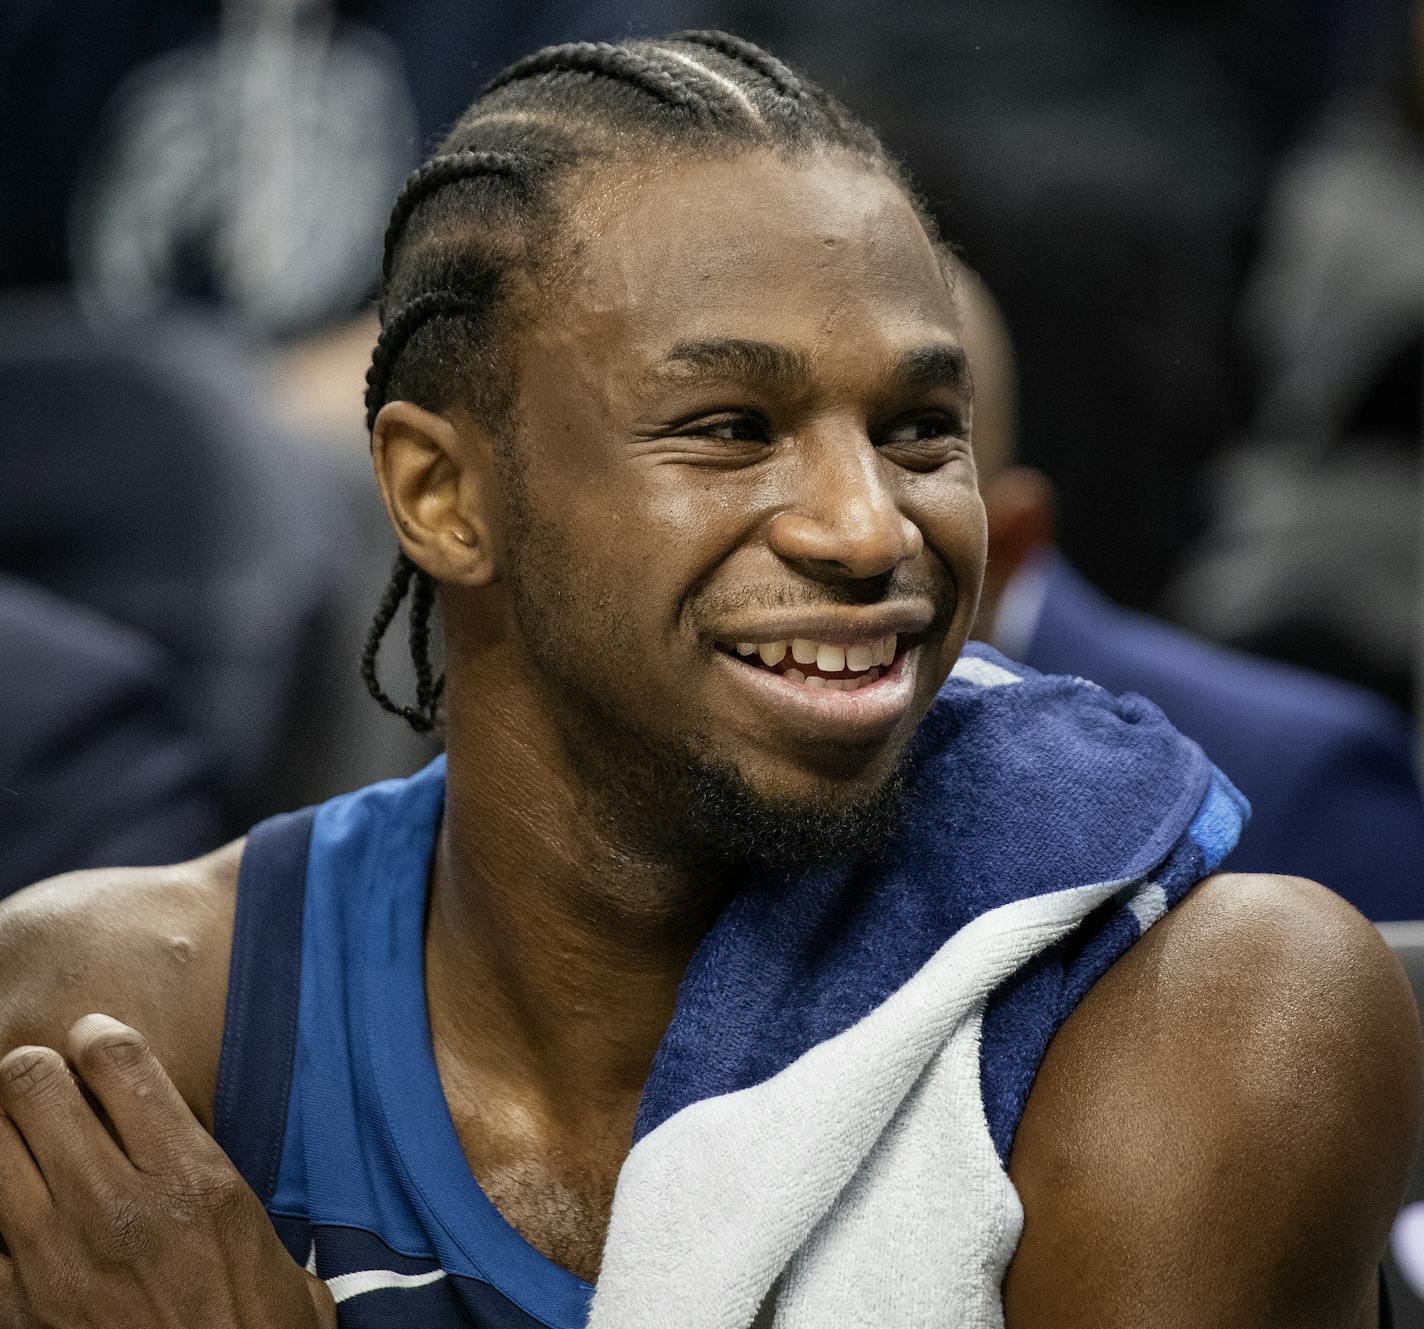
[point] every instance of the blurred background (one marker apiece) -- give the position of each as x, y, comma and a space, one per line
1204, 225
1198, 233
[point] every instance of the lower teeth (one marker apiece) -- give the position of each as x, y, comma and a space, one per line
834, 684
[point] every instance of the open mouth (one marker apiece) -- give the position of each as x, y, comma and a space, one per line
837, 666
855, 689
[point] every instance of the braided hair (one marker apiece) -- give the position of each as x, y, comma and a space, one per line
481, 214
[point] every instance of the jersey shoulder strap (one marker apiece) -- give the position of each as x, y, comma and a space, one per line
264, 986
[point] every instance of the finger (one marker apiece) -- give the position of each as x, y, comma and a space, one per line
14, 1311
24, 1197
76, 1157
156, 1128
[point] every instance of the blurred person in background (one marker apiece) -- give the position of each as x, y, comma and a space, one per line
1329, 768
188, 228
1102, 164
226, 153
1315, 552
161, 264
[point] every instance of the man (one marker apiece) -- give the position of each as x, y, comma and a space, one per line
1329, 768
670, 406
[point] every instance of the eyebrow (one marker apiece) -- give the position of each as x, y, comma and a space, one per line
760, 362
942, 364
939, 364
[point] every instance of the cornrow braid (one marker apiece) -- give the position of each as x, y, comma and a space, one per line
434, 175
472, 230
441, 303
422, 716
747, 54
670, 84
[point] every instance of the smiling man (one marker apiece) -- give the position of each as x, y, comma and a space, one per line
757, 955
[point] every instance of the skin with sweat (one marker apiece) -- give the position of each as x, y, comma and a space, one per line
743, 416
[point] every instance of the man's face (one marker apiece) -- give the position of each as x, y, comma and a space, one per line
742, 428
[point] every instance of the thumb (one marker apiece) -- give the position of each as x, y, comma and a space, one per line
14, 1306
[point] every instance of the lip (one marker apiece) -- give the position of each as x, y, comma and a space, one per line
868, 713
839, 628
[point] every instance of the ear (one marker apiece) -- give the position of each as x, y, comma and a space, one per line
436, 475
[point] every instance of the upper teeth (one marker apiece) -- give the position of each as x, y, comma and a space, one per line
829, 657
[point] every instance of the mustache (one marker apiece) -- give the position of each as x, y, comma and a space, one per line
810, 596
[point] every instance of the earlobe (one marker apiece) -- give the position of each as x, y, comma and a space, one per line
435, 475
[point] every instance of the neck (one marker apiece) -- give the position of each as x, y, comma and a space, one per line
554, 946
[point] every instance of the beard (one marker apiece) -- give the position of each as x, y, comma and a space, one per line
669, 799
692, 809
744, 826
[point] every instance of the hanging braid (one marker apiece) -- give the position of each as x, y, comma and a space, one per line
422, 716
473, 227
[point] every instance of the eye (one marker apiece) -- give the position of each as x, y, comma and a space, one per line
924, 442
730, 438
924, 428
742, 427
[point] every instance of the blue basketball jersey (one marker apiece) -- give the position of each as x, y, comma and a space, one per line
329, 1100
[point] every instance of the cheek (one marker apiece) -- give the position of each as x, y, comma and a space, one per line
950, 515
601, 574
663, 529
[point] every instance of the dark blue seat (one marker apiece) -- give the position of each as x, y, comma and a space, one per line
97, 765
138, 477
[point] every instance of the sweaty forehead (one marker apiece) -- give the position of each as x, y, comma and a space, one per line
808, 254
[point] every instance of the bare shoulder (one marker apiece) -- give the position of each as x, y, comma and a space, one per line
148, 946
1220, 1134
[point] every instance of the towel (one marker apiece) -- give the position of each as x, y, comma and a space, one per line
823, 1137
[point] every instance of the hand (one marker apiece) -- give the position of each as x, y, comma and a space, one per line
150, 1227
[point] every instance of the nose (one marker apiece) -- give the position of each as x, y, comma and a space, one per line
846, 520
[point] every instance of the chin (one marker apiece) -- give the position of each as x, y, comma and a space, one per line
802, 819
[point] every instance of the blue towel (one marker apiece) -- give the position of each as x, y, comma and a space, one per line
822, 1140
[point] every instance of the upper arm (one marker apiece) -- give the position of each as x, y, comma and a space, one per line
1220, 1134
148, 946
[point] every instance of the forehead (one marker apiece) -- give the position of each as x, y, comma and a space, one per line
825, 255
